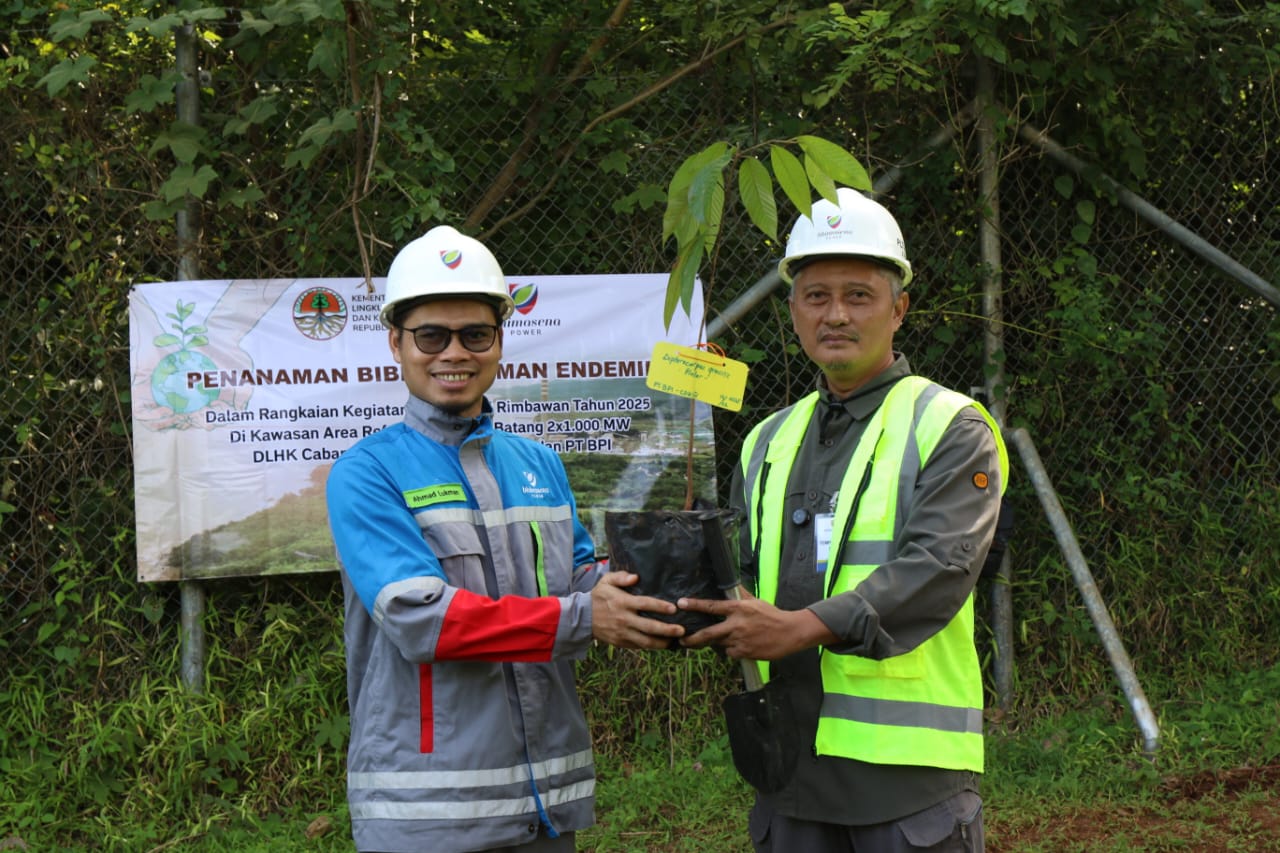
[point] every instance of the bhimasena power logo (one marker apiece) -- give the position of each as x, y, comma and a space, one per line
525, 296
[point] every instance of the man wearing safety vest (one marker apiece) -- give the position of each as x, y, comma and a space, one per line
869, 508
471, 587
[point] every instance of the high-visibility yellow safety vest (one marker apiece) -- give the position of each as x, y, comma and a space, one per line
920, 708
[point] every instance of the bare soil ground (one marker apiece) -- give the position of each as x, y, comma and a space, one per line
1229, 810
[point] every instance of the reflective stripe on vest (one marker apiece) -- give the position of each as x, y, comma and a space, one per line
920, 708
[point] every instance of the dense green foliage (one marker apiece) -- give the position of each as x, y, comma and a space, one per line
320, 135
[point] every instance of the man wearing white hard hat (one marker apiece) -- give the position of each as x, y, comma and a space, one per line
471, 588
871, 504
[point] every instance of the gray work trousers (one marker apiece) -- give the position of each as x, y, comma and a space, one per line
541, 844
952, 826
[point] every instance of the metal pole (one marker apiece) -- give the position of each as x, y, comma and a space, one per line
1161, 220
187, 224
993, 361
1106, 629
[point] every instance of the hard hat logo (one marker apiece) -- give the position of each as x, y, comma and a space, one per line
431, 267
856, 226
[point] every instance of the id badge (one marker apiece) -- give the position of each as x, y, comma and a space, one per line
822, 525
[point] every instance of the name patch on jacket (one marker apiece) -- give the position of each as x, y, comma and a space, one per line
428, 495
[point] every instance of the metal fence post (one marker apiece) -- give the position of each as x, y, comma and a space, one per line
187, 224
1097, 608
993, 362
1180, 234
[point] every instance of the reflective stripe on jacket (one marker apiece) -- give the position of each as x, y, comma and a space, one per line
920, 708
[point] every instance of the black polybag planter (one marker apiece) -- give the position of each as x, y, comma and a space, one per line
667, 550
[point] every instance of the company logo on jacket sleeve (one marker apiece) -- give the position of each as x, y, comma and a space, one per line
531, 487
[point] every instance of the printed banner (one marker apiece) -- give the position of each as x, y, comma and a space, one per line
244, 392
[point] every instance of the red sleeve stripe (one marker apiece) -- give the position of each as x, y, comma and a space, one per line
513, 628
426, 709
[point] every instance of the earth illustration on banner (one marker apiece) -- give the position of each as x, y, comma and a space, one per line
168, 382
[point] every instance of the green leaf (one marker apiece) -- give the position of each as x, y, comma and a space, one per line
1086, 211
206, 13
675, 220
839, 164
329, 58
755, 188
681, 282
158, 28
243, 197
158, 211
706, 192
692, 165
65, 73
183, 139
330, 10
152, 91
257, 111
186, 179
791, 177
315, 137
821, 180
616, 162
249, 24
644, 197
77, 28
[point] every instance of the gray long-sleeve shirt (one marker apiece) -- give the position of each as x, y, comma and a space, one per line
901, 604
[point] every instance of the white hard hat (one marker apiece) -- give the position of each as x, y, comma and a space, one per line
856, 226
445, 263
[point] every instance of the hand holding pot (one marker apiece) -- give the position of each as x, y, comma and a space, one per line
753, 629
616, 615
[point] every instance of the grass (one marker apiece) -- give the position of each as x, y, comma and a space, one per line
256, 763
1074, 779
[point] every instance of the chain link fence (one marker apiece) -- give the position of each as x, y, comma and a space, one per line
1150, 382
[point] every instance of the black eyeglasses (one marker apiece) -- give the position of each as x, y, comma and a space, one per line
433, 339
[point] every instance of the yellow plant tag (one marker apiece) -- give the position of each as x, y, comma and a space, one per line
703, 374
